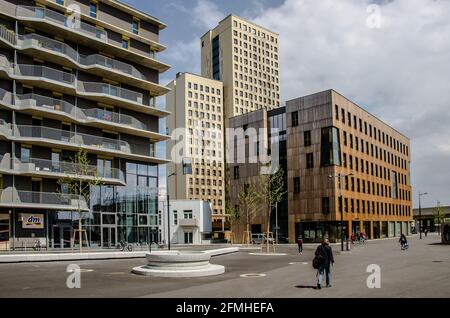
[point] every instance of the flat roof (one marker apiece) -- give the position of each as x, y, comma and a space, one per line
363, 109
120, 4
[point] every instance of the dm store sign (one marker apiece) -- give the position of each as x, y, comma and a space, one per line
32, 221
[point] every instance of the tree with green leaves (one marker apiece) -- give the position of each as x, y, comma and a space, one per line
272, 192
80, 177
439, 216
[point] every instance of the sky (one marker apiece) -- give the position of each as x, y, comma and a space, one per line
392, 57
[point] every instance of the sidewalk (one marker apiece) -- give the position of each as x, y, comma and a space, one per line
95, 255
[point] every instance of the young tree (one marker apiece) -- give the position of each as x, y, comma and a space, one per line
272, 192
79, 178
439, 216
249, 199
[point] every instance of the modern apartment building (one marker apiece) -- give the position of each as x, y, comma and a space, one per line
79, 75
245, 57
196, 106
327, 135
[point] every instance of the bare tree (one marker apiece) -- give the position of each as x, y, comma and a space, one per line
79, 178
272, 192
249, 198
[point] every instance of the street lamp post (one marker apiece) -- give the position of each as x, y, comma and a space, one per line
340, 176
168, 210
420, 214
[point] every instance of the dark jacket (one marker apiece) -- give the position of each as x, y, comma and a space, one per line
326, 253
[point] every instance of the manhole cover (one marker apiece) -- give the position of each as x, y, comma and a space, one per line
253, 275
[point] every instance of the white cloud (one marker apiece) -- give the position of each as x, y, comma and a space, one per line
400, 72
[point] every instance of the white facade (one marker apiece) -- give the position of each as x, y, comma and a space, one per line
190, 221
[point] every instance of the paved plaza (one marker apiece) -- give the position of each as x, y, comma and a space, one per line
421, 271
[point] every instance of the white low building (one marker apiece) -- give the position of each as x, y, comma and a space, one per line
190, 221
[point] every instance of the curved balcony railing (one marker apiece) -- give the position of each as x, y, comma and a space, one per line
110, 90
45, 72
38, 165
70, 137
29, 40
70, 22
80, 114
65, 78
11, 196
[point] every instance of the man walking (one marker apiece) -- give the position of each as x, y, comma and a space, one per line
325, 255
300, 244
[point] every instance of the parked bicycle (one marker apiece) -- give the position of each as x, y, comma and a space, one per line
125, 245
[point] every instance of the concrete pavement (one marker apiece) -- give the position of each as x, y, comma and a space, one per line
421, 271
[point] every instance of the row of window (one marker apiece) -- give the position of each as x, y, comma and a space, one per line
256, 59
203, 97
375, 170
206, 88
256, 53
255, 32
202, 115
268, 70
243, 85
371, 131
205, 106
358, 144
204, 124
267, 81
197, 191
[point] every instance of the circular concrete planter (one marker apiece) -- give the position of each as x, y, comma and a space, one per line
178, 264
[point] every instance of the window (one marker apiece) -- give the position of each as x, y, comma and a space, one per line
309, 160
336, 110
330, 147
187, 214
307, 138
294, 117
297, 185
236, 172
325, 205
60, 2
135, 26
125, 42
93, 9
175, 217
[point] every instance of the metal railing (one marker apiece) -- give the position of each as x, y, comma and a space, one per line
45, 72
55, 104
13, 196
72, 22
108, 89
70, 137
8, 35
62, 167
113, 117
31, 70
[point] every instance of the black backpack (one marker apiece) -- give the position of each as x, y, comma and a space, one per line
318, 260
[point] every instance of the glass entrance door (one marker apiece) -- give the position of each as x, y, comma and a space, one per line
109, 236
4, 232
188, 238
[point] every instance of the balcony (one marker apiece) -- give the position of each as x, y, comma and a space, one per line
188, 222
13, 198
72, 27
58, 20
49, 78
58, 169
49, 49
64, 139
58, 109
